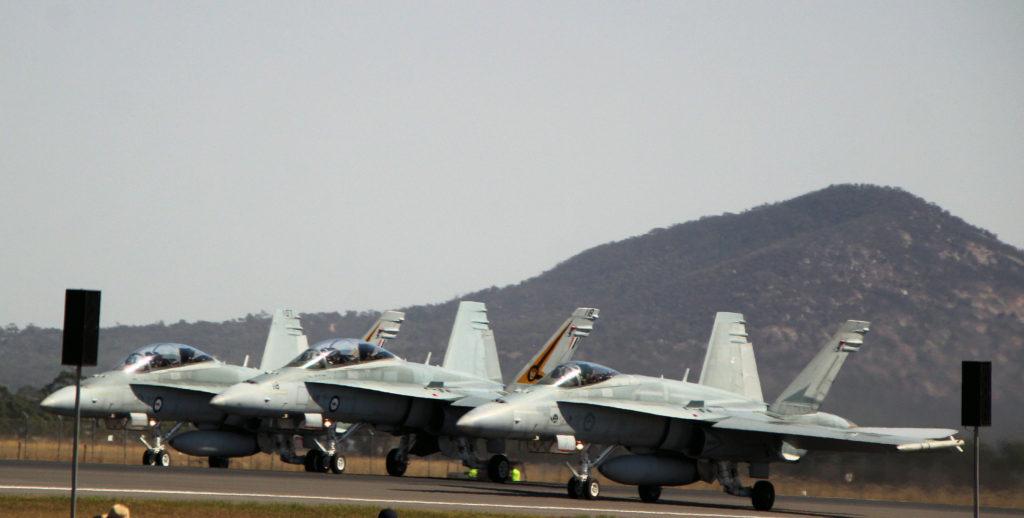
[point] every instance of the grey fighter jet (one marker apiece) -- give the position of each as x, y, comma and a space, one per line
167, 382
189, 378
357, 382
241, 436
677, 432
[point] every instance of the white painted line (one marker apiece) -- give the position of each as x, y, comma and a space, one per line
379, 501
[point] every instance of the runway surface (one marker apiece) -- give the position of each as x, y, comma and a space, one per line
140, 482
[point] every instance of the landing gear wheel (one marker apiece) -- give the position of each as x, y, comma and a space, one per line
337, 463
162, 458
396, 467
763, 495
574, 487
219, 462
323, 462
499, 469
311, 461
591, 489
147, 458
649, 494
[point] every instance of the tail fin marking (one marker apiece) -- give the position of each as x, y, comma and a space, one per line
385, 328
560, 347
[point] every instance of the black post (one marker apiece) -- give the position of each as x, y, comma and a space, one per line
977, 473
74, 454
975, 411
81, 337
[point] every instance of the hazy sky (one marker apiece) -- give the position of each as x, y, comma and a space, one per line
204, 160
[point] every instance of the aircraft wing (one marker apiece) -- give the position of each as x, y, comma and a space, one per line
814, 437
185, 386
797, 435
438, 393
652, 408
180, 401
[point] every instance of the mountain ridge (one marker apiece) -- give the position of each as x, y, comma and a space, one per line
936, 289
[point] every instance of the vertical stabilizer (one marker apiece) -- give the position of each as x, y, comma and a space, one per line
806, 393
285, 340
560, 347
729, 363
471, 347
385, 328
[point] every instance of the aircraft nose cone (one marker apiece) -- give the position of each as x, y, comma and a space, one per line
62, 401
244, 398
490, 421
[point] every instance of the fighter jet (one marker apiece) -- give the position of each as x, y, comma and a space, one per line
241, 436
168, 382
358, 382
677, 432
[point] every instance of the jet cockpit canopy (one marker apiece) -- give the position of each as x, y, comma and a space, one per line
338, 352
161, 356
577, 374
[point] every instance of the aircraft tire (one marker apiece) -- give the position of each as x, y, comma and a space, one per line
574, 488
763, 495
649, 494
591, 489
218, 462
147, 458
499, 469
337, 463
394, 465
312, 456
162, 458
323, 464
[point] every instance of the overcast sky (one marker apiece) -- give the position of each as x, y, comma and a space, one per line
205, 160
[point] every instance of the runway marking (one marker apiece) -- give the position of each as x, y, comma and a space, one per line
378, 501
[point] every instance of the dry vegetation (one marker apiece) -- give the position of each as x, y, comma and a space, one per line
550, 469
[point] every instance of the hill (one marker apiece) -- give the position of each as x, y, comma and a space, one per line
936, 290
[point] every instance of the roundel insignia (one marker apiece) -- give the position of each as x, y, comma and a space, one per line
334, 404
158, 404
588, 422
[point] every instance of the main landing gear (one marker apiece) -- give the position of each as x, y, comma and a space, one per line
762, 495
583, 484
219, 462
498, 467
649, 494
397, 461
